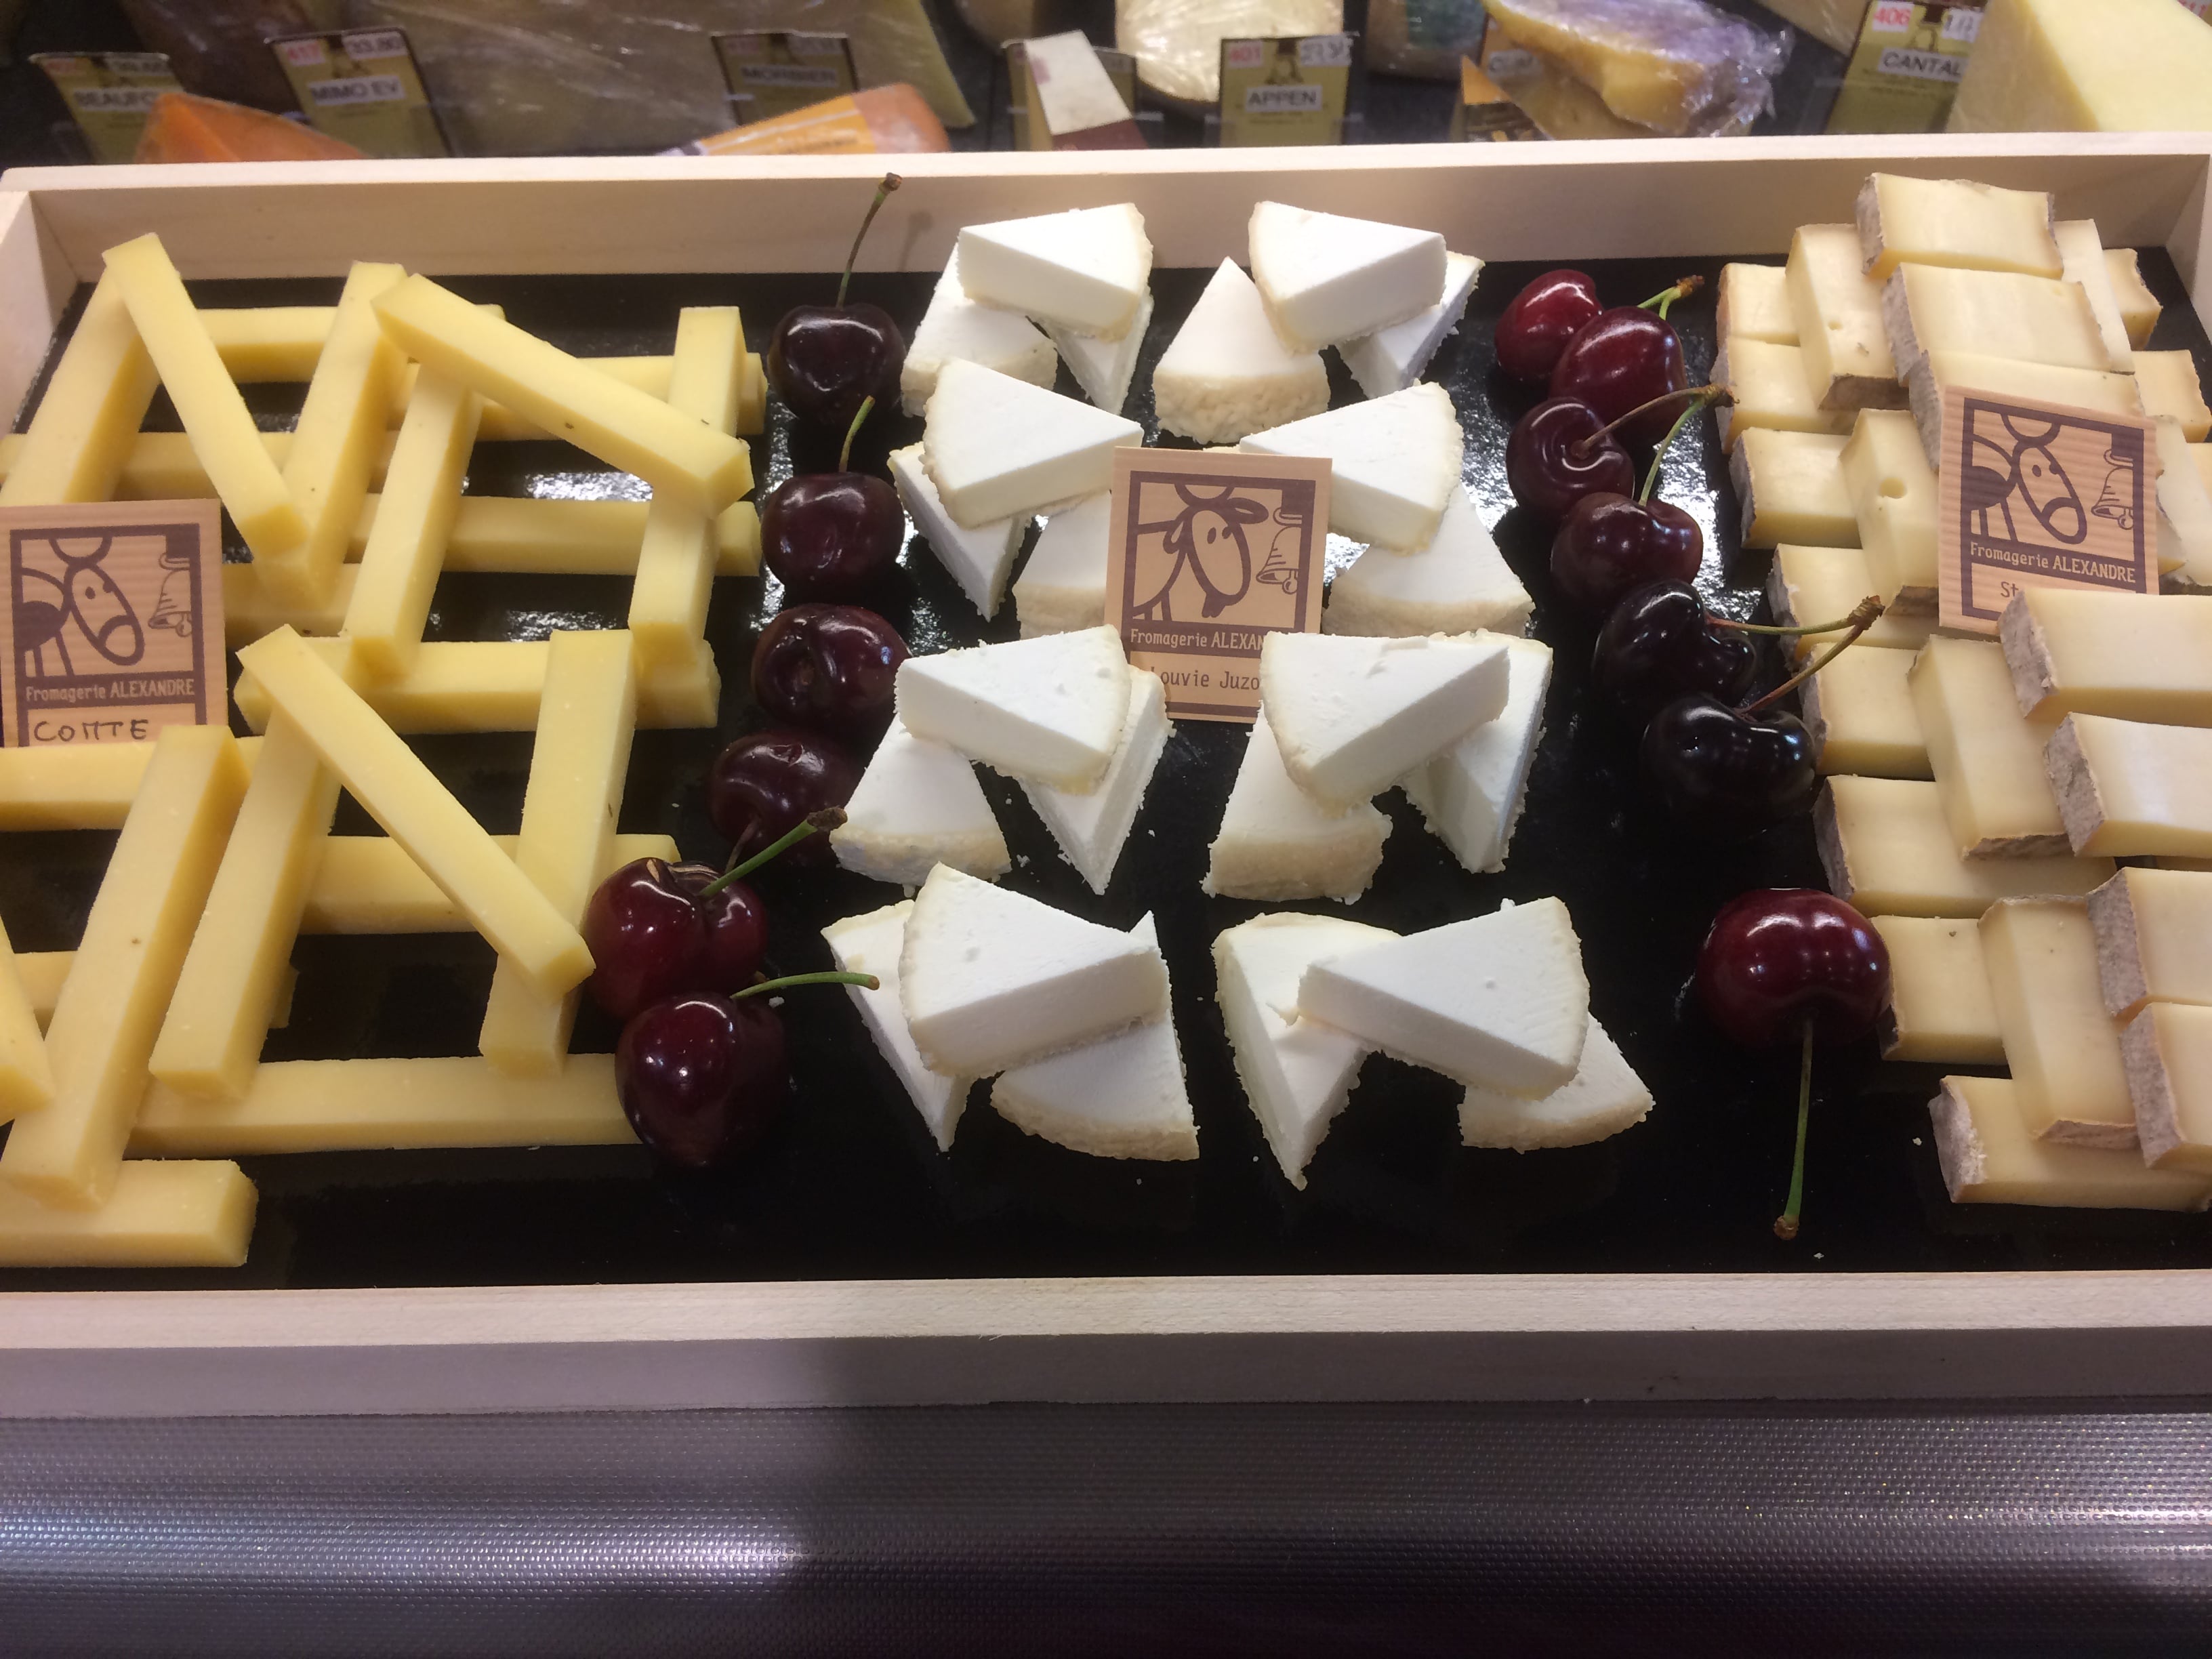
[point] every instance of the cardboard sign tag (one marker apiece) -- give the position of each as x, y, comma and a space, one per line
1487, 113
109, 94
1904, 74
113, 624
1286, 90
1208, 554
363, 87
772, 72
2040, 496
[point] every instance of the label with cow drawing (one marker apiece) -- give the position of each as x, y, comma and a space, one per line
113, 624
1210, 552
2040, 496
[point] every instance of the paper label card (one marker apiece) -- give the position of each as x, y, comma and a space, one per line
773, 72
113, 624
363, 87
2040, 496
1904, 74
109, 94
1208, 554
1289, 89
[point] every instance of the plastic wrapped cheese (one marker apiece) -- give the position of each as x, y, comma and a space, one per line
1177, 43
873, 121
1677, 66
2087, 66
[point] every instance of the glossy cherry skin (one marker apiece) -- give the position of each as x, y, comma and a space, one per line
1660, 643
1543, 317
1609, 545
763, 783
1776, 959
737, 928
833, 667
1724, 775
825, 360
652, 936
1555, 457
1625, 358
831, 535
700, 1078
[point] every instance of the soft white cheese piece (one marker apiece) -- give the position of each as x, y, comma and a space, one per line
977, 559
1326, 278
1085, 270
1391, 359
1298, 1073
1277, 842
1104, 368
1605, 1097
1051, 709
1063, 587
870, 943
1354, 715
1456, 584
956, 326
996, 446
1091, 828
1226, 374
990, 979
1394, 462
1500, 1001
918, 805
1121, 1097
1471, 794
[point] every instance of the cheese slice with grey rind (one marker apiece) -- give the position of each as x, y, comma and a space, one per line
918, 805
870, 943
1471, 795
1326, 278
956, 326
1104, 368
1604, 1097
1226, 374
1085, 270
1092, 827
1458, 583
1063, 587
1393, 462
1391, 359
978, 559
996, 446
1352, 714
1500, 1000
1051, 709
990, 980
1276, 842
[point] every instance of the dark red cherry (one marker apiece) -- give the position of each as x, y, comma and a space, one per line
1724, 775
1660, 643
1625, 358
831, 535
825, 360
1542, 318
1776, 959
830, 667
646, 938
1555, 457
700, 1078
764, 783
736, 929
1609, 545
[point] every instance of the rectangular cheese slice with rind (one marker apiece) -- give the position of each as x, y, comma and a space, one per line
1391, 359
1352, 714
2074, 651
1811, 586
2082, 252
1050, 708
406, 547
2139, 308
2128, 788
996, 446
1393, 462
1888, 851
1895, 502
2168, 383
1227, 374
956, 326
918, 805
2167, 1049
1752, 303
2063, 1047
1986, 755
1767, 385
1062, 587
1992, 313
1602, 1099
1326, 278
1940, 1007
1955, 224
1859, 710
85, 428
1789, 488
2154, 931
1457, 584
1086, 270
2007, 377
1988, 1156
1838, 310
979, 559
1471, 795
157, 1215
1093, 826
1276, 842
870, 943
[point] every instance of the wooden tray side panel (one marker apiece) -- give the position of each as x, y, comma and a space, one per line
36, 282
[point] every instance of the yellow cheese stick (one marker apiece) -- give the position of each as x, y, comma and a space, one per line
2006, 377
621, 425
26, 1081
45, 972
681, 696
1990, 1157
1887, 851
268, 342
81, 435
1940, 1008
368, 885
405, 798
158, 1215
133, 945
374, 1105
57, 788
223, 430
1994, 313
584, 724
2127, 788
2062, 1047
1987, 756
226, 999
407, 541
249, 609
676, 558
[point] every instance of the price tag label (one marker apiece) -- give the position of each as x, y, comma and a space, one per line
363, 87
1284, 89
109, 94
772, 72
1904, 73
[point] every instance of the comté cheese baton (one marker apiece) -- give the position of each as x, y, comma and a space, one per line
1956, 223
1895, 500
1808, 586
1940, 1008
86, 424
1859, 710
2139, 308
2169, 386
2127, 788
1790, 486
1988, 1156
677, 555
52, 788
45, 972
623, 427
2073, 651
2082, 251
415, 515
416, 811
2153, 931
1987, 756
1752, 303
1887, 851
2035, 320
1838, 310
1767, 385
2167, 1049
159, 1215
26, 1081
2062, 1047
220, 425
368, 884
110, 1009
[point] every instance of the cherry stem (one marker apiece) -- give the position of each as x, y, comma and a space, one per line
1713, 395
860, 417
865, 981
1704, 395
1868, 612
1667, 296
1785, 1225
1836, 626
891, 182
827, 819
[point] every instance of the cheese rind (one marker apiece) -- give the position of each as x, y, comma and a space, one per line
2074, 651
1276, 842
1988, 1156
1838, 311
978, 559
1085, 270
1062, 588
1457, 584
1888, 850
2168, 1049
1956, 224
2063, 1048
406, 546
158, 1215
956, 326
1391, 359
1227, 374
1604, 1097
870, 943
1859, 709
1752, 303
1471, 795
1940, 1007
1986, 755
1393, 462
677, 554
1990, 313
1092, 827
85, 428
1790, 487
1326, 278
2127, 788
1050, 708
918, 805
2154, 931
996, 446
1353, 715
2006, 377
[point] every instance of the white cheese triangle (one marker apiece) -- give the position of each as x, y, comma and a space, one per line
1051, 708
996, 446
1104, 368
956, 326
1391, 359
1500, 1000
1353, 715
1393, 462
870, 943
990, 979
1091, 828
1226, 375
1456, 584
1063, 587
1327, 278
1604, 1097
1122, 1097
1471, 794
977, 559
1297, 1073
918, 805
1278, 842
1085, 270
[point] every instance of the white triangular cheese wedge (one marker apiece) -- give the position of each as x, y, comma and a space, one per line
1456, 584
956, 326
1050, 709
1226, 374
1063, 587
1085, 270
870, 944
977, 559
1605, 1097
1327, 278
996, 446
1353, 715
990, 979
1091, 828
1123, 1098
1279, 843
1391, 359
1297, 1073
918, 805
1394, 462
1104, 368
1471, 794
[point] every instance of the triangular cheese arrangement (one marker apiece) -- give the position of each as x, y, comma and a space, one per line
918, 805
1471, 794
996, 446
956, 326
1063, 585
1277, 842
1092, 827
1226, 375
1456, 584
1604, 1097
979, 559
1353, 715
870, 943
1393, 462
1086, 270
1050, 708
1327, 278
1104, 368
1391, 359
